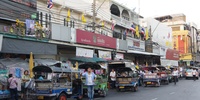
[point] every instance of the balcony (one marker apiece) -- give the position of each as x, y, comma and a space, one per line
122, 22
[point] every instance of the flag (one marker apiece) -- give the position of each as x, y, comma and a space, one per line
142, 31
137, 31
49, 4
31, 64
147, 34
102, 23
168, 35
132, 28
68, 15
83, 18
113, 25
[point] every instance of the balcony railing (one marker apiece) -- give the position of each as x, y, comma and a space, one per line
123, 22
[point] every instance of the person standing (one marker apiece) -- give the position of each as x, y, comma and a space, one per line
90, 82
194, 71
13, 87
113, 78
175, 75
25, 78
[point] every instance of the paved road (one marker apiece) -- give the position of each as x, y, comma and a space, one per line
184, 90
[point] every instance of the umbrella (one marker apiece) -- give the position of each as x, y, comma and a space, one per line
82, 59
31, 64
92, 65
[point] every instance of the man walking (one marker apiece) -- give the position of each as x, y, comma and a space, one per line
13, 87
90, 82
175, 75
194, 74
113, 78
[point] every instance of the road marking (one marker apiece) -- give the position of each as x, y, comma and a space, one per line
172, 93
154, 99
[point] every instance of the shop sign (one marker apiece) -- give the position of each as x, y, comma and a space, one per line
163, 52
82, 52
135, 44
122, 44
172, 54
156, 49
105, 54
119, 56
89, 38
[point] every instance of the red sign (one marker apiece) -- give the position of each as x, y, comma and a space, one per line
84, 37
172, 54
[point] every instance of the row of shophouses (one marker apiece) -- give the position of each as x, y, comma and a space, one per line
65, 31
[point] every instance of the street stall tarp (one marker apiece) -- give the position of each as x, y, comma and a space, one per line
46, 62
82, 59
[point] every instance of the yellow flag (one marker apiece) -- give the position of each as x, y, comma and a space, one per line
102, 23
147, 34
146, 64
68, 15
83, 18
137, 31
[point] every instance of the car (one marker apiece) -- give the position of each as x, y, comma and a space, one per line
188, 73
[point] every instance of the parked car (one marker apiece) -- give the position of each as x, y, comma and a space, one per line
188, 73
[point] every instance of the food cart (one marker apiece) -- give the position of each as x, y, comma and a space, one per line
101, 87
56, 83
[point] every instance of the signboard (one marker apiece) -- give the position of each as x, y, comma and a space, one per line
18, 9
156, 49
136, 44
148, 46
172, 54
84, 37
105, 55
119, 56
122, 44
1, 41
82, 52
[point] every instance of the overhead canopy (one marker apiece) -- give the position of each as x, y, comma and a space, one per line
142, 53
166, 62
85, 59
25, 47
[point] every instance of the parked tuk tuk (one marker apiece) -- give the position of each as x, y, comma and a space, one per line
151, 77
126, 79
56, 83
101, 87
164, 77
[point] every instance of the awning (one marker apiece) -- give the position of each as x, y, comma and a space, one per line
25, 47
142, 53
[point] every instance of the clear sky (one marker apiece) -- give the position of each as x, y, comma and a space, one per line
151, 8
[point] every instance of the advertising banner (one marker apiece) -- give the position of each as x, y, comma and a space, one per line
84, 37
119, 56
136, 44
82, 52
105, 55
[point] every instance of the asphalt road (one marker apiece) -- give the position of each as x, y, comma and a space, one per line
184, 90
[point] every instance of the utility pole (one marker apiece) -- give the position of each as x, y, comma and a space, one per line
94, 15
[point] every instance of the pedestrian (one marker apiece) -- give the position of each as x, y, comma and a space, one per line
25, 79
194, 71
113, 78
13, 87
175, 75
90, 82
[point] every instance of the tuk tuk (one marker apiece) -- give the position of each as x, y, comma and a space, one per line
151, 77
101, 87
126, 80
56, 83
164, 77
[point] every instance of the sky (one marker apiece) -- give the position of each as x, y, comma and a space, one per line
151, 8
